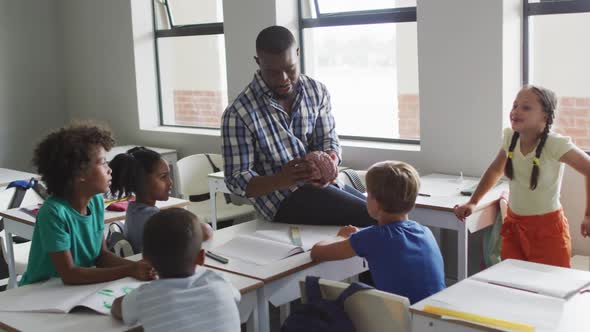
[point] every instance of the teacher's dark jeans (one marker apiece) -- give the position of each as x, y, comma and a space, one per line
311, 205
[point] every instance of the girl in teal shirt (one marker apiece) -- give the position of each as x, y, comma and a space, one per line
68, 238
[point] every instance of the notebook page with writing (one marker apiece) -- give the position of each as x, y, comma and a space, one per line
55, 297
102, 300
48, 296
256, 250
543, 279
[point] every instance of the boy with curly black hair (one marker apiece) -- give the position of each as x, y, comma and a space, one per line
68, 236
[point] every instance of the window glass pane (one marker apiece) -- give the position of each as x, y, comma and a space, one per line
371, 72
559, 61
338, 6
186, 12
193, 82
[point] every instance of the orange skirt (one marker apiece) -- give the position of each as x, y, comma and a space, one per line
541, 238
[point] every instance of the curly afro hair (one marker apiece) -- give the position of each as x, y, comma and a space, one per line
64, 153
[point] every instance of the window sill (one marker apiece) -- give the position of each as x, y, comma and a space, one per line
380, 145
184, 130
366, 144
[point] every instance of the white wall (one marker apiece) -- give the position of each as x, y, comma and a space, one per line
101, 72
243, 22
31, 84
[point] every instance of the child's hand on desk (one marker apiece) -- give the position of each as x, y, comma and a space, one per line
346, 231
142, 270
207, 231
464, 211
585, 227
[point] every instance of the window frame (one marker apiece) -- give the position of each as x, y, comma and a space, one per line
544, 8
349, 18
202, 29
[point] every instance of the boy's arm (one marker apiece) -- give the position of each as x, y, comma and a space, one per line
331, 250
116, 308
125, 308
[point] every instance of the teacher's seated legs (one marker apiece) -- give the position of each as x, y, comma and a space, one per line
312, 205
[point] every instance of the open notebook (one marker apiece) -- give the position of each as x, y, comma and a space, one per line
495, 304
55, 297
273, 243
537, 278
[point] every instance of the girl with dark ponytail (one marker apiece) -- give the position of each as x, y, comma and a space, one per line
532, 158
141, 172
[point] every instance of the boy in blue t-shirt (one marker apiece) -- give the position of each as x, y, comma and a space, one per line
403, 256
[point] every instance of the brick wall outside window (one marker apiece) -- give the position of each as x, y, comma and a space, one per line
198, 108
409, 116
204, 109
573, 119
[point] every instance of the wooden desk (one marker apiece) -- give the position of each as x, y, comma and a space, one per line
169, 155
545, 313
87, 320
19, 223
438, 210
281, 279
9, 175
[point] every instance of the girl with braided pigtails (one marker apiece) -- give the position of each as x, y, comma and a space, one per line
532, 157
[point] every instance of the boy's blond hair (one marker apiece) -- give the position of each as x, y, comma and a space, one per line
394, 185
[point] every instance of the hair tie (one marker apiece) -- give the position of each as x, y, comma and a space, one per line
510, 154
536, 161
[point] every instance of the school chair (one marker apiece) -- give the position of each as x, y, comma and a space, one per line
193, 185
369, 311
21, 250
21, 253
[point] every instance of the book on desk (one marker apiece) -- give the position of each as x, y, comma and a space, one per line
270, 244
514, 295
536, 278
52, 296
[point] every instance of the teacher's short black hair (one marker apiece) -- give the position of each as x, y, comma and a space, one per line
274, 39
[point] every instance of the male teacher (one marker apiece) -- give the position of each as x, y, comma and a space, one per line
280, 117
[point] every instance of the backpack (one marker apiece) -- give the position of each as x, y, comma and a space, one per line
116, 241
320, 315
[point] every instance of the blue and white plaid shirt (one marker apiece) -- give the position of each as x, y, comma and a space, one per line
259, 136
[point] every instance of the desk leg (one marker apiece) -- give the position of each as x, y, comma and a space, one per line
213, 205
462, 260
252, 322
11, 265
263, 314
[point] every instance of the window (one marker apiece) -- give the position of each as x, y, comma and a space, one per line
191, 62
556, 54
365, 52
